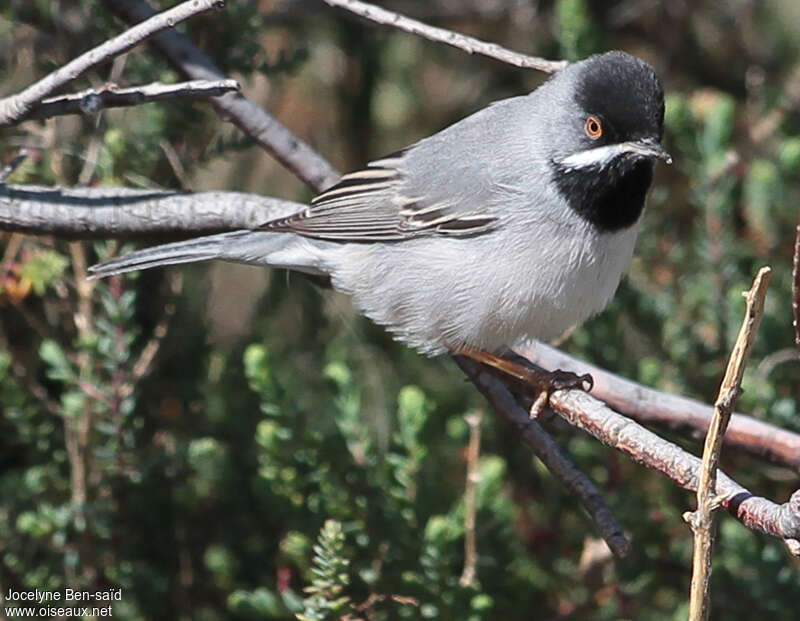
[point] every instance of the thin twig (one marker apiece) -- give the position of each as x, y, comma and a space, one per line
144, 363
12, 247
702, 520
470, 490
77, 430
551, 455
471, 45
27, 379
9, 168
17, 107
796, 288
175, 163
769, 363
91, 101
96, 142
92, 159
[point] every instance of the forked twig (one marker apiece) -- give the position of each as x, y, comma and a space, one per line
17, 107
93, 100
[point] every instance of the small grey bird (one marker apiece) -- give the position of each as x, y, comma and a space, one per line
514, 223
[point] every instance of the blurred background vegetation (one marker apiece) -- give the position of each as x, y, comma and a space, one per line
276, 441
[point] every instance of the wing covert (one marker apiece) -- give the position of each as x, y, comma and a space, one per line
370, 205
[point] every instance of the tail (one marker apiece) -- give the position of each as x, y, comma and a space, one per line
252, 247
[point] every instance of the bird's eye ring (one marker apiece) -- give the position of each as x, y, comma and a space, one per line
593, 127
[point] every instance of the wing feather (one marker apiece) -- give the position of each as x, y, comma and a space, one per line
369, 205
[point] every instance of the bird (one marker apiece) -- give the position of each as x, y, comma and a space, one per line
513, 224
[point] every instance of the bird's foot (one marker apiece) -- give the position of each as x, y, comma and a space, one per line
536, 383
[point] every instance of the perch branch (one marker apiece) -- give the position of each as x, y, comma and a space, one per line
92, 100
15, 108
471, 45
758, 514
702, 520
686, 416
292, 152
546, 449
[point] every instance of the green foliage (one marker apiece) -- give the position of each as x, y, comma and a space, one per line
42, 269
327, 599
577, 35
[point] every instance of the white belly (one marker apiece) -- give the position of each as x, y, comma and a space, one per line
489, 292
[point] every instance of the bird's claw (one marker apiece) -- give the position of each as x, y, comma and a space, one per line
565, 380
550, 381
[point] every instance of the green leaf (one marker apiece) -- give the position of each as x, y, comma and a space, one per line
43, 268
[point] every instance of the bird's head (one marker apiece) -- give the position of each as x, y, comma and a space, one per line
610, 137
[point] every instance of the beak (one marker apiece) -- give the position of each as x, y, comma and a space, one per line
647, 148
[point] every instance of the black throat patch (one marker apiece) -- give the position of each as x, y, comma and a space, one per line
611, 199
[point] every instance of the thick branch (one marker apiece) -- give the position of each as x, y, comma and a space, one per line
90, 213
17, 107
92, 100
184, 56
702, 520
550, 453
615, 430
466, 43
687, 416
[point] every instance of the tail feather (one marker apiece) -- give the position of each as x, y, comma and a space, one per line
222, 246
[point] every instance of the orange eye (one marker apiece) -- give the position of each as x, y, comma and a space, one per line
593, 127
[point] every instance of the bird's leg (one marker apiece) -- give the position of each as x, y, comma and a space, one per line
542, 382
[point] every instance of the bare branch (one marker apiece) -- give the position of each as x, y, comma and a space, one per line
183, 55
702, 520
796, 288
687, 416
549, 453
645, 447
17, 107
470, 491
9, 168
92, 100
91, 213
143, 364
769, 363
471, 45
